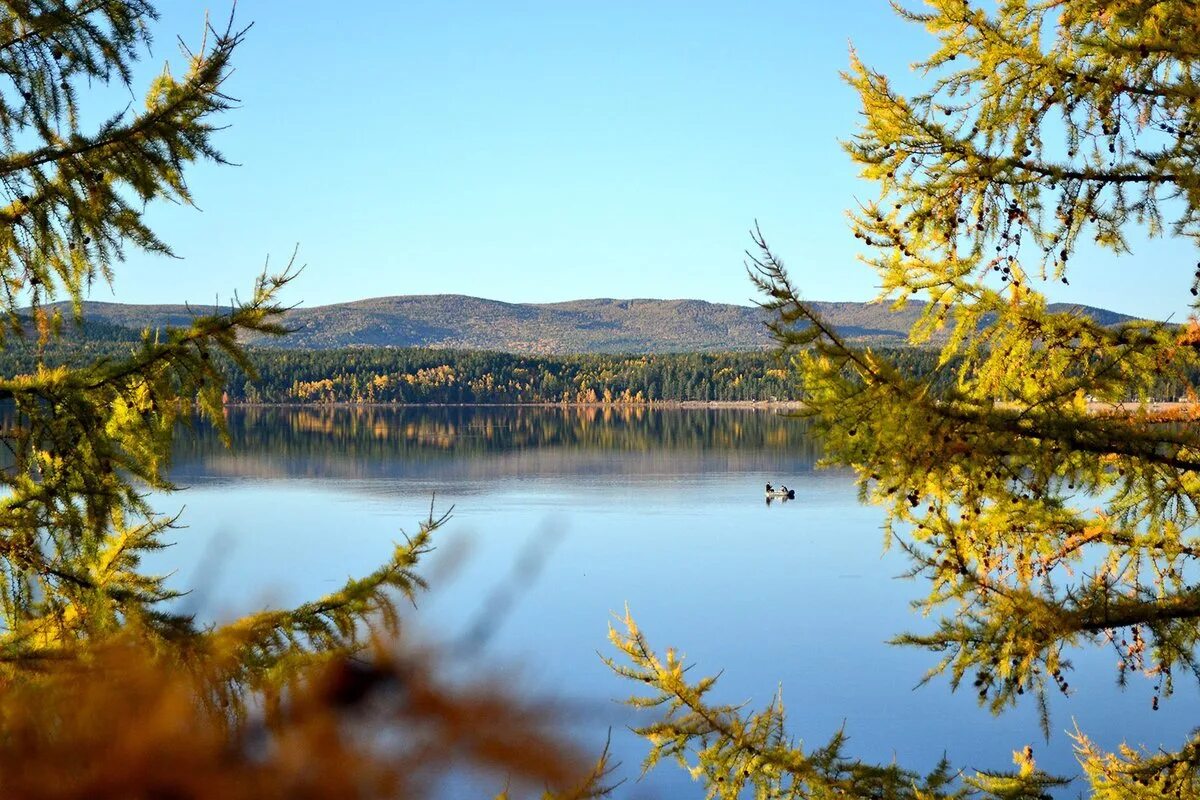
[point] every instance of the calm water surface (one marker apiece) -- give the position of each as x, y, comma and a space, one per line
564, 516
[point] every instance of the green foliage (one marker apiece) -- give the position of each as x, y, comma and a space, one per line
1042, 512
430, 376
73, 195
274, 704
264, 649
440, 376
733, 751
87, 440
991, 485
437, 376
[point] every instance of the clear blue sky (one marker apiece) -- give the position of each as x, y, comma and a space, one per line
542, 151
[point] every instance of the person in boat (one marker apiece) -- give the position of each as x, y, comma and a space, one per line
769, 489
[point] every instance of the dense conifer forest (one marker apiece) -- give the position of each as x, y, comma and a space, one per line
457, 376
438, 376
429, 376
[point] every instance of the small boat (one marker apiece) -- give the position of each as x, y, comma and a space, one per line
782, 493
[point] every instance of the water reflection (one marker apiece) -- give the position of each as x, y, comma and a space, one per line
461, 443
562, 516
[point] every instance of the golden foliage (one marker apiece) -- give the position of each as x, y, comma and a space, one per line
1038, 523
117, 721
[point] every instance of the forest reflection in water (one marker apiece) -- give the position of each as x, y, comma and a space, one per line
457, 442
658, 508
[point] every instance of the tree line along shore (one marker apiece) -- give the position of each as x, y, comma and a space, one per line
433, 376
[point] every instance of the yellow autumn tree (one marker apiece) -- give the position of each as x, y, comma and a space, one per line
1039, 493
84, 443
104, 690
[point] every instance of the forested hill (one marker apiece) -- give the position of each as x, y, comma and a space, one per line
574, 327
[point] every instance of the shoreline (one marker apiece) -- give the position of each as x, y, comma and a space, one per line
1171, 410
767, 405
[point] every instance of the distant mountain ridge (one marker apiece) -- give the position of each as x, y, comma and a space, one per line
602, 325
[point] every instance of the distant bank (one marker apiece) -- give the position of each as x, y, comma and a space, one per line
1163, 410
436, 376
765, 405
574, 327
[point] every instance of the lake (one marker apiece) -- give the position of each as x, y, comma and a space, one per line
563, 516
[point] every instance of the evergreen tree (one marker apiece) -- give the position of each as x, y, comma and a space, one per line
1028, 476
258, 707
87, 441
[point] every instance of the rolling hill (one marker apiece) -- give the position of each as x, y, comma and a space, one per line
577, 326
